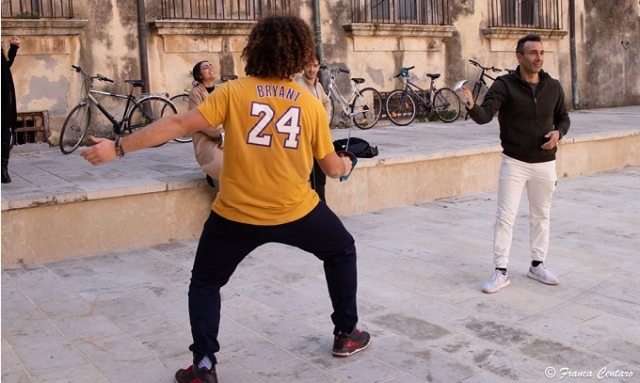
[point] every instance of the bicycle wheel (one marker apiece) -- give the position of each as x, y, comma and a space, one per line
401, 108
332, 110
367, 108
181, 102
148, 110
75, 128
446, 105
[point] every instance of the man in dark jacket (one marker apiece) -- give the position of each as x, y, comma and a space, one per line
9, 110
533, 118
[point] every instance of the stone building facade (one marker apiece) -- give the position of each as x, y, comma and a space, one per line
435, 36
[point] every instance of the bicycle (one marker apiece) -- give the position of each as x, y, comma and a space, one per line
364, 106
401, 103
481, 83
138, 113
181, 102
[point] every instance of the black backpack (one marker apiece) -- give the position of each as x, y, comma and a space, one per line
359, 147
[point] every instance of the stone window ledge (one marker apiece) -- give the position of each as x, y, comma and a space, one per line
516, 33
404, 30
43, 27
202, 27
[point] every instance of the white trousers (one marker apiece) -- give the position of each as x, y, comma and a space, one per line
540, 181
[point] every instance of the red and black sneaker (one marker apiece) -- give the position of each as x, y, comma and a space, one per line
348, 344
193, 375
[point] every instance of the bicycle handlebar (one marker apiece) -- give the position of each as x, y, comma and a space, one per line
485, 68
337, 70
98, 76
404, 72
102, 78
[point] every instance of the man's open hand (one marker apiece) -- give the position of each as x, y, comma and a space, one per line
102, 152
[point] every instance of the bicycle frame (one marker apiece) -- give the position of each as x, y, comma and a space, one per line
403, 104
364, 106
138, 112
88, 94
483, 73
412, 89
118, 126
481, 83
333, 89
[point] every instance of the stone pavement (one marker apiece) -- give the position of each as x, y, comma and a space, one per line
122, 316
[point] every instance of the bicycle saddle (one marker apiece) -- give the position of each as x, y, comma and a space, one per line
135, 83
357, 80
433, 75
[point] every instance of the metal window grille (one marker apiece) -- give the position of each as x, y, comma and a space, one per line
37, 9
419, 12
222, 9
540, 14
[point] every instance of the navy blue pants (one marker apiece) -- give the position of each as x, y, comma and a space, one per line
224, 244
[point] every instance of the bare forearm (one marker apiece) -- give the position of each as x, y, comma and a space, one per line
157, 133
334, 166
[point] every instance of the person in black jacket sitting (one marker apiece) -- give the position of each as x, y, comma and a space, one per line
533, 118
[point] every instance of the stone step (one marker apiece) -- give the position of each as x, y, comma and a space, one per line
59, 206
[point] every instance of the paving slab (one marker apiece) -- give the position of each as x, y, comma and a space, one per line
122, 316
105, 317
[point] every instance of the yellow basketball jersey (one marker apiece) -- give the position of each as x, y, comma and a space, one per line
273, 129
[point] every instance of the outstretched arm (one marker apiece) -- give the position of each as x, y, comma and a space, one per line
159, 132
493, 100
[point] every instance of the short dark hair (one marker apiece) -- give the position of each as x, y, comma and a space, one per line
196, 72
522, 41
279, 46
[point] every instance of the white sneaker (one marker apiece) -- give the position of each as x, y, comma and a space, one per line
543, 275
496, 282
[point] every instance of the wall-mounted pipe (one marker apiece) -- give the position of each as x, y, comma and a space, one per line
572, 49
142, 45
318, 34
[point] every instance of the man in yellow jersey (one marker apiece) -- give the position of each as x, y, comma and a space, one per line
273, 130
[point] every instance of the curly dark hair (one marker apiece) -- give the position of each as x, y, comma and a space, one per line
279, 46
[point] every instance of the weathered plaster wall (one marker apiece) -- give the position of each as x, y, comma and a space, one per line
378, 52
110, 47
43, 61
41, 69
609, 53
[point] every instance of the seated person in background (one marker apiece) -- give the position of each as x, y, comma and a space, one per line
207, 143
310, 82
